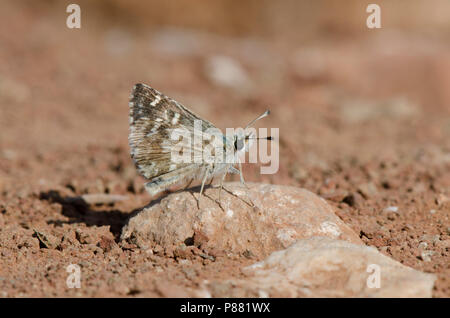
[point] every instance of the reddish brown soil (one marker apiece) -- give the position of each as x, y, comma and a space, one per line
364, 122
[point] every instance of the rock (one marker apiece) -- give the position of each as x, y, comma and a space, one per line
423, 245
102, 198
94, 235
47, 240
227, 72
281, 216
430, 238
426, 256
171, 290
368, 190
354, 200
106, 243
441, 199
324, 267
335, 195
393, 209
360, 111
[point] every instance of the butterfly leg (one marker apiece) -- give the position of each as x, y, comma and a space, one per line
204, 180
243, 182
241, 174
190, 182
205, 177
221, 184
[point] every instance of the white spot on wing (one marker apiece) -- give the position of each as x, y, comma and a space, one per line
156, 101
175, 118
156, 127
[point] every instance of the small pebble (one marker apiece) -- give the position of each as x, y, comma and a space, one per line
426, 256
423, 245
391, 209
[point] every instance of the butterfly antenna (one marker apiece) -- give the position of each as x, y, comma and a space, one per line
266, 113
267, 138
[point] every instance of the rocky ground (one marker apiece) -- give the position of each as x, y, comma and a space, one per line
364, 124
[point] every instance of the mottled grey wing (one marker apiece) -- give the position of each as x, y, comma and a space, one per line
152, 117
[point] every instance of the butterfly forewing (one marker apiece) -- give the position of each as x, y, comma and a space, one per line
153, 117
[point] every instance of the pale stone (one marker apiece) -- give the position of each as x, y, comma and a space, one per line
281, 215
324, 267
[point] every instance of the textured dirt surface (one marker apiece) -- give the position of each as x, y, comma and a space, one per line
364, 122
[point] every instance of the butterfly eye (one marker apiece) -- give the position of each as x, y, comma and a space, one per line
238, 144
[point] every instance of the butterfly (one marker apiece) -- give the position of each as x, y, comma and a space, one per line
155, 124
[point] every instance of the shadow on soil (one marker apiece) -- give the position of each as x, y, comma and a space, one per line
78, 211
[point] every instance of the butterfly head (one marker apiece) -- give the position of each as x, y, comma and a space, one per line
242, 141
244, 138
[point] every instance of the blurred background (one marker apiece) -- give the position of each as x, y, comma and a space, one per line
338, 90
364, 114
